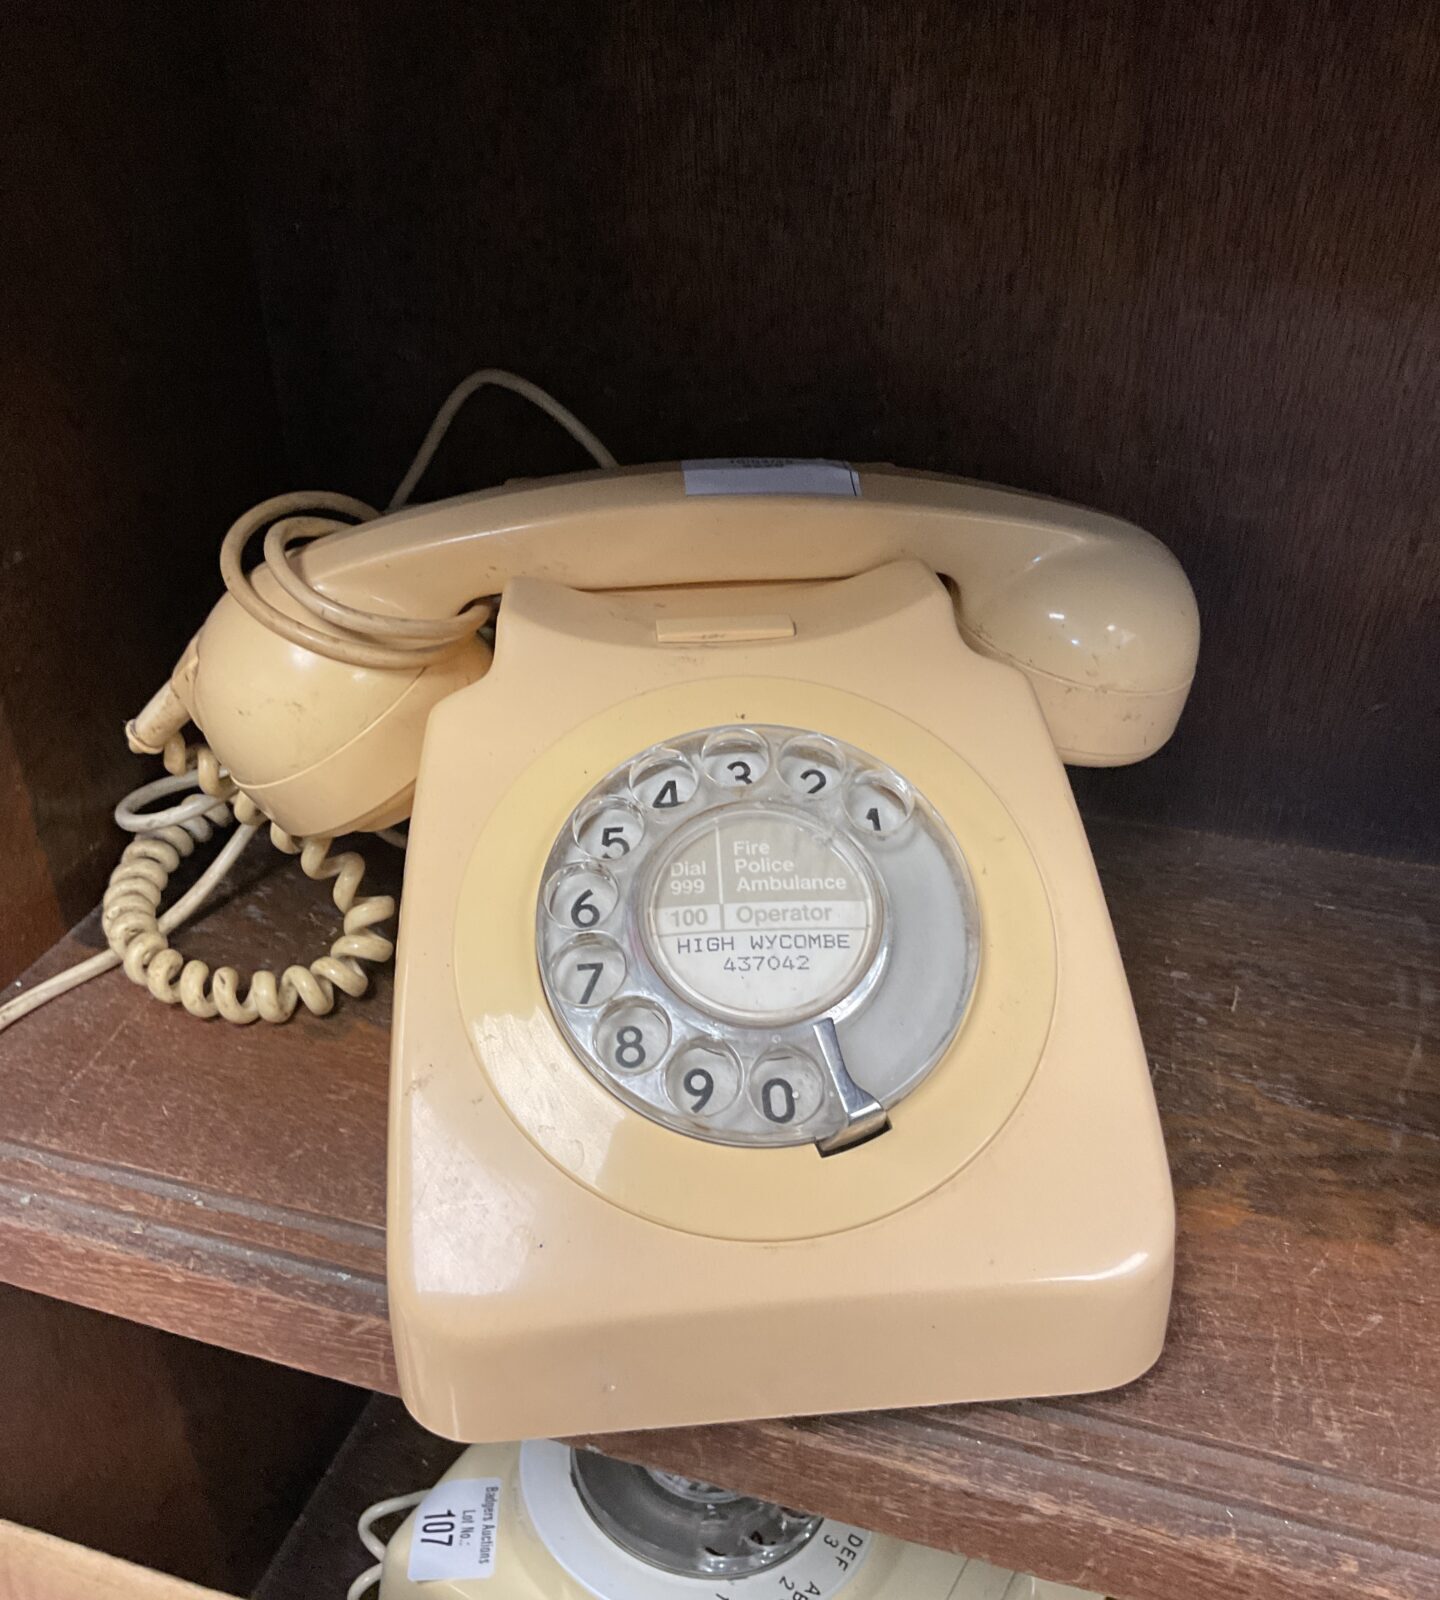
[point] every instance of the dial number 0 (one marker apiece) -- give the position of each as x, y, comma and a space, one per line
786, 1087
777, 1100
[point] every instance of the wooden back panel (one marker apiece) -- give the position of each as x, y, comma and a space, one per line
1176, 262
137, 420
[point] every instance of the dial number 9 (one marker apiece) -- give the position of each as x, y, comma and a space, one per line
704, 1078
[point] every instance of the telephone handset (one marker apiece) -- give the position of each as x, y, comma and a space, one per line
322, 725
761, 1045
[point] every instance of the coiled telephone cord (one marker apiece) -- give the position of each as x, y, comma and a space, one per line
133, 928
138, 933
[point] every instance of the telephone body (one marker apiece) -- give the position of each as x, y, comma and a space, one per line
540, 1522
761, 1044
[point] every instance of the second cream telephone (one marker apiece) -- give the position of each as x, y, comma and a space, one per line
761, 1045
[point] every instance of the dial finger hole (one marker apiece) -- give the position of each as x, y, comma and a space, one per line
608, 829
704, 1078
878, 804
663, 780
786, 1088
588, 971
581, 896
735, 758
632, 1036
812, 767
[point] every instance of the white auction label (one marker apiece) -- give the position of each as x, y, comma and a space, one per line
771, 475
761, 916
457, 1530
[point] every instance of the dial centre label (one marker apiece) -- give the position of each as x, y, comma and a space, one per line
761, 915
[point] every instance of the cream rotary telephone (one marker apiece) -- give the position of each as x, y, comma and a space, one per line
540, 1522
761, 1045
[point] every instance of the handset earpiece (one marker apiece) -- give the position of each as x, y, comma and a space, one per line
1107, 632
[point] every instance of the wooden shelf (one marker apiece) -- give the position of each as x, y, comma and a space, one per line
229, 1184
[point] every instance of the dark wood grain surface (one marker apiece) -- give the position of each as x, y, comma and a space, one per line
1177, 261
228, 1183
136, 417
